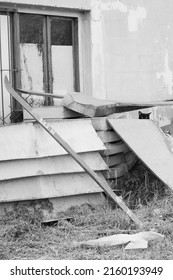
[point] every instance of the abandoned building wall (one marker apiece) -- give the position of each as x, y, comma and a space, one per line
135, 51
129, 55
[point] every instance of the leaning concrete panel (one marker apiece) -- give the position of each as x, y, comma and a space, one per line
150, 144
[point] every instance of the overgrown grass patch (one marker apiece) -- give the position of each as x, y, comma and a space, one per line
23, 236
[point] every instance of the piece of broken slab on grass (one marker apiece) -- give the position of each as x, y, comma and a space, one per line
135, 241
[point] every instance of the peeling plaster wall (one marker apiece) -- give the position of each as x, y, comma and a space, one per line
135, 54
138, 49
97, 51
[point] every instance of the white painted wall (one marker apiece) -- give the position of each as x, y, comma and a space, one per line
132, 52
129, 57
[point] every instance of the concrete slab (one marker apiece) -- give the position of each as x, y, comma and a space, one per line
63, 164
115, 148
92, 107
29, 140
108, 136
48, 187
53, 112
150, 144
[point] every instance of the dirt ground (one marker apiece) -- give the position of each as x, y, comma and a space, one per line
24, 236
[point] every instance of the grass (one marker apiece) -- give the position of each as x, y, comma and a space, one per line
23, 236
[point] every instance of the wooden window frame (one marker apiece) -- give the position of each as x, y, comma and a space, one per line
47, 47
83, 70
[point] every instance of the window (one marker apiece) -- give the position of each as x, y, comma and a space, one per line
38, 52
48, 53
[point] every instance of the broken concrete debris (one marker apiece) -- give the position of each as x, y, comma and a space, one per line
92, 107
112, 133
58, 139
134, 241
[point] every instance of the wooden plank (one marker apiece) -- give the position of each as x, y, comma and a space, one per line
48, 187
103, 184
150, 144
115, 159
115, 148
108, 136
49, 165
27, 140
116, 171
53, 112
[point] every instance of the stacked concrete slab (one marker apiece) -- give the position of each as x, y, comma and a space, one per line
118, 157
33, 166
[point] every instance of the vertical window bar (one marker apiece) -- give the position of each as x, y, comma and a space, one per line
45, 62
16, 61
9, 48
49, 100
76, 55
9, 43
1, 77
49, 59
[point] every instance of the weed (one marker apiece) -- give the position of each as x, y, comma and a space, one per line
140, 187
23, 236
